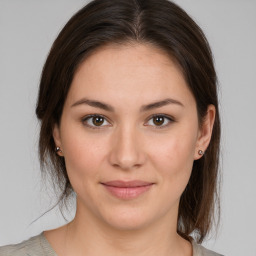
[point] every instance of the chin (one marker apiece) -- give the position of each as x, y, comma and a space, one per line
128, 219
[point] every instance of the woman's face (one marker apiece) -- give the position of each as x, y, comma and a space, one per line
129, 134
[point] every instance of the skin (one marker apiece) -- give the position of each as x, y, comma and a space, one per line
128, 145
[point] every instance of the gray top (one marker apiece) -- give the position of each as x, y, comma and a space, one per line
39, 246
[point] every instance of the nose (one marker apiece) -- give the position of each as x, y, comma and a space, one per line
126, 149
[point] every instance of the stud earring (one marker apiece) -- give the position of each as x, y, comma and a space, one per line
200, 152
58, 150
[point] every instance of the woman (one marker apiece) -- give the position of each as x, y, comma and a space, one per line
129, 123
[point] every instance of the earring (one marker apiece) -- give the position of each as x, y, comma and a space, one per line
200, 152
58, 150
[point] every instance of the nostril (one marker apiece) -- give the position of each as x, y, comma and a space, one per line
127, 163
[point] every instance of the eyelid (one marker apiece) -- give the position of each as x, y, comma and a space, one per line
170, 120
85, 118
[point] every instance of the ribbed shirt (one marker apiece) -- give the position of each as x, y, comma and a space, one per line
39, 246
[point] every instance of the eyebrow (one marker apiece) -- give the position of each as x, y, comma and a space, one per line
160, 104
94, 103
107, 107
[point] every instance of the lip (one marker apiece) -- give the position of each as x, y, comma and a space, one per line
127, 189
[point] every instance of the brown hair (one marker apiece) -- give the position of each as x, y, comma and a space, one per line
166, 26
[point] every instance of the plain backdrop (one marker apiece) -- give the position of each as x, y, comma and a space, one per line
27, 30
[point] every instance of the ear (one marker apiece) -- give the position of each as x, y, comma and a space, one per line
57, 139
205, 132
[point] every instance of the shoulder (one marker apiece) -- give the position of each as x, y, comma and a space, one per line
36, 245
199, 250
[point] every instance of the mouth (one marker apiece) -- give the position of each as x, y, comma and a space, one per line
127, 189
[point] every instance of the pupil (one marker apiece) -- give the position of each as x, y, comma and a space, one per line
98, 121
158, 120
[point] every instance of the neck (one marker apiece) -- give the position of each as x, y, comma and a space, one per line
87, 235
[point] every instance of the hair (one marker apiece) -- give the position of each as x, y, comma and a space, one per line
166, 26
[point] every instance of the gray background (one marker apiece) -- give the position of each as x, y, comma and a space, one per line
27, 30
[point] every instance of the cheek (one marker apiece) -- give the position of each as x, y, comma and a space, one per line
83, 157
175, 150
173, 159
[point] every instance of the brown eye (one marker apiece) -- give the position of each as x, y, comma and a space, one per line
158, 120
97, 120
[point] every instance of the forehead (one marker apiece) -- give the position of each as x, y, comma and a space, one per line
128, 55
127, 72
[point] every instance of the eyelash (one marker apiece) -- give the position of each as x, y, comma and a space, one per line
169, 118
86, 118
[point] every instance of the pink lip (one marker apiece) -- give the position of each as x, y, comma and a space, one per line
127, 189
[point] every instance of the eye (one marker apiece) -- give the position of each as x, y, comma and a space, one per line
160, 121
95, 121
